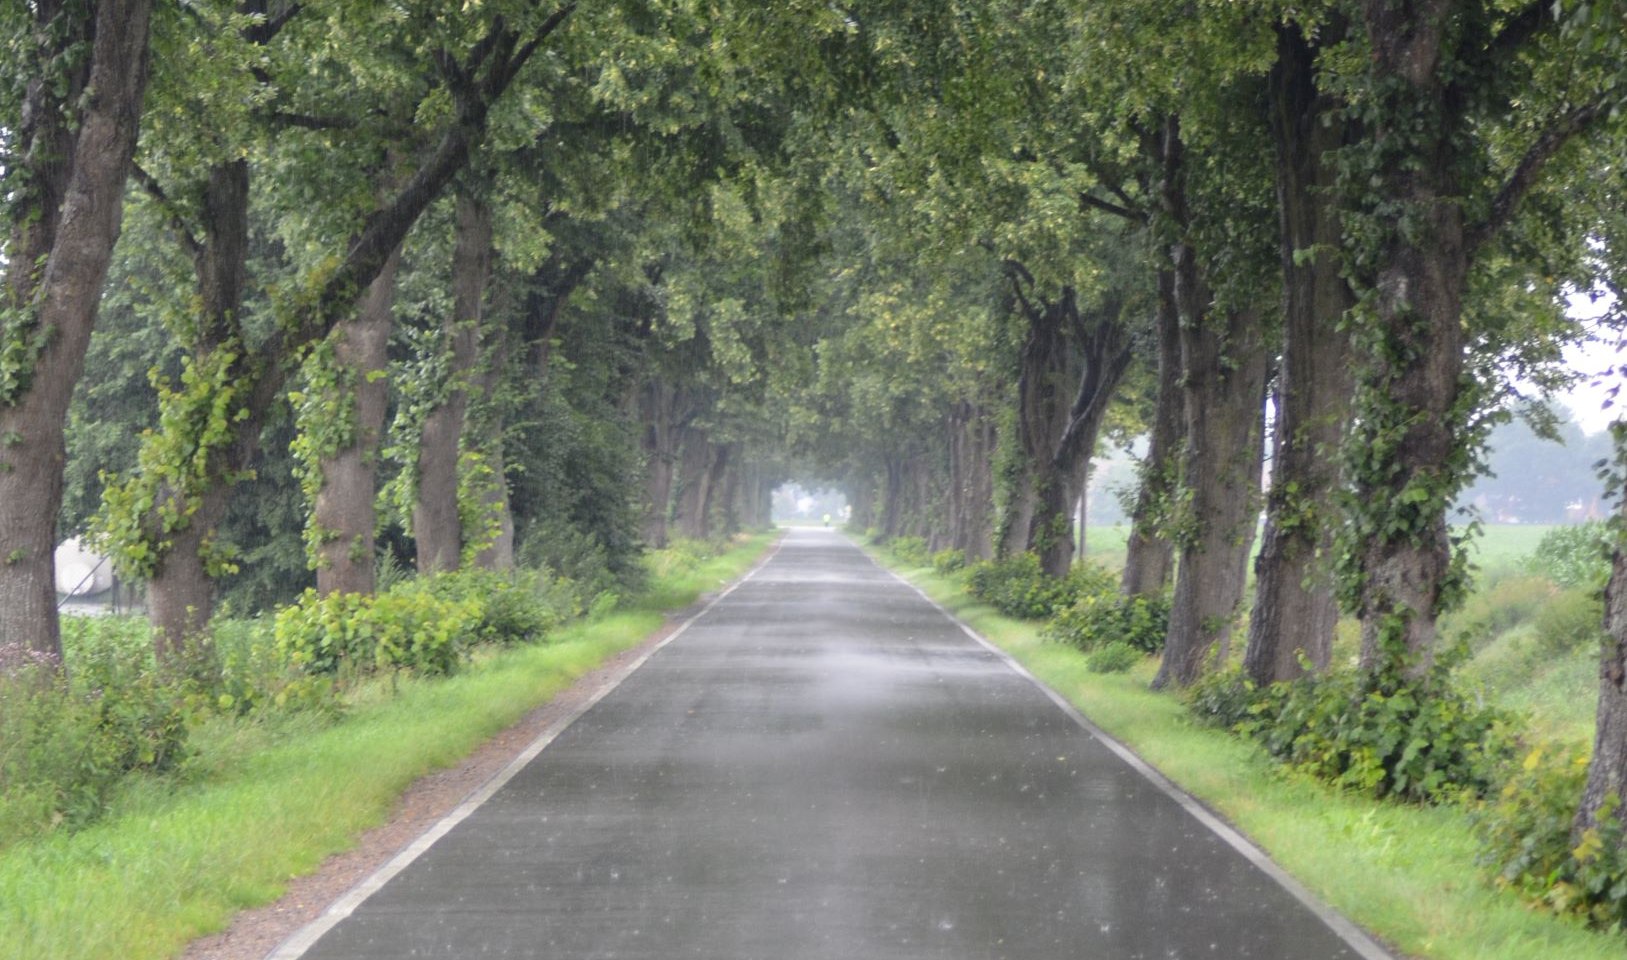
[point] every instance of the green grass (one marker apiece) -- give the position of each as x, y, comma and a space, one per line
1407, 874
270, 799
1557, 692
1106, 545
1501, 549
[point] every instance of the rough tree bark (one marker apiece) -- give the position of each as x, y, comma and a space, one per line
665, 411
1606, 785
698, 460
181, 589
861, 497
344, 511
1047, 370
1105, 346
971, 480
1070, 367
437, 527
1149, 554
77, 134
1224, 390
1418, 369
488, 436
726, 491
1294, 605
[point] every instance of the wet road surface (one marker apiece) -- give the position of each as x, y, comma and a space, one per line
825, 766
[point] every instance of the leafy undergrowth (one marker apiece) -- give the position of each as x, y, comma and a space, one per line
1411, 874
269, 795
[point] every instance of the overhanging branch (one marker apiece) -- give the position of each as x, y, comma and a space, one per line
1560, 132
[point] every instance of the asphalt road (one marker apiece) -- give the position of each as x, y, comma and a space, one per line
824, 765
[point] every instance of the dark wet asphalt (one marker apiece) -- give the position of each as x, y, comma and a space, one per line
825, 766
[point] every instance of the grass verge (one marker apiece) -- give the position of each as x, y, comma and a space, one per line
269, 799
1408, 874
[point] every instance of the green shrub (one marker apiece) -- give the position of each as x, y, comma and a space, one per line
1017, 587
411, 629
255, 674
1504, 606
1102, 617
1415, 740
1574, 556
581, 558
948, 561
67, 740
522, 607
911, 550
680, 555
1571, 620
1226, 699
1526, 831
1114, 657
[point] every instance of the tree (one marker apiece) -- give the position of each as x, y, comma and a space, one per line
167, 513
69, 121
1294, 605
1429, 186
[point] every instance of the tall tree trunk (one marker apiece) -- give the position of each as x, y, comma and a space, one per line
1048, 370
499, 553
1104, 347
892, 497
181, 588
1149, 554
76, 155
436, 523
726, 490
1607, 770
861, 498
665, 412
1011, 536
344, 512
1224, 388
1294, 606
972, 453
1411, 378
712, 504
695, 458
486, 433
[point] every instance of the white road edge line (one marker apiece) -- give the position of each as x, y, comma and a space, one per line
306, 937
1365, 946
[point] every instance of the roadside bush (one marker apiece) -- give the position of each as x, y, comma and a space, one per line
411, 629
580, 557
519, 608
255, 674
911, 550
1572, 620
1526, 831
1504, 606
948, 561
1225, 698
1574, 556
1102, 617
680, 555
1115, 657
1017, 587
1421, 741
66, 742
